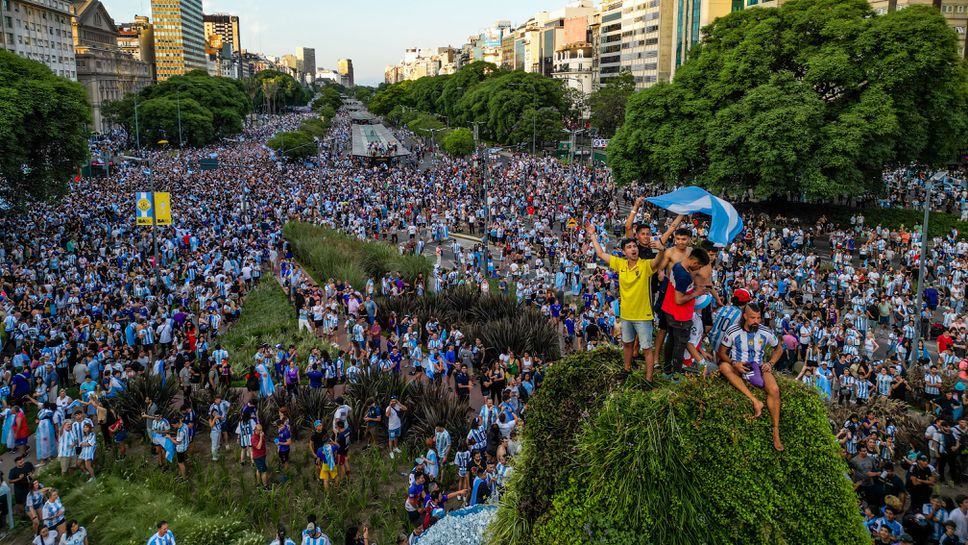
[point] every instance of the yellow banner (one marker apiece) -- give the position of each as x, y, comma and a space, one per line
162, 208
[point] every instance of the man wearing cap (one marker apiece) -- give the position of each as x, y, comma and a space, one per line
921, 482
313, 535
635, 296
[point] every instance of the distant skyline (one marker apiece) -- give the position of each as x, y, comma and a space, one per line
373, 34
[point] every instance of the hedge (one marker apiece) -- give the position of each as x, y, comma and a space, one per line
681, 464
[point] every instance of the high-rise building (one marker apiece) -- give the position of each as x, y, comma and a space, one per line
106, 72
345, 69
40, 31
307, 62
179, 37
138, 40
610, 42
224, 26
690, 16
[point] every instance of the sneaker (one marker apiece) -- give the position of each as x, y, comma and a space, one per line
396, 449
622, 375
392, 455
91, 479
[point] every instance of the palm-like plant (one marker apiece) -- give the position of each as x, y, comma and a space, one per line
130, 404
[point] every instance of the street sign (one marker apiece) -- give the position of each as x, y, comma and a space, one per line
162, 208
572, 223
144, 208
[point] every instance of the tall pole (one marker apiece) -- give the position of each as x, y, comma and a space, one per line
178, 106
137, 128
928, 187
534, 123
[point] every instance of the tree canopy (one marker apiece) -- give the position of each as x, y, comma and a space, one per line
608, 103
815, 97
459, 142
293, 145
499, 100
278, 90
209, 108
44, 125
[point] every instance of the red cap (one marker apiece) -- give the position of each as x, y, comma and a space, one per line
742, 295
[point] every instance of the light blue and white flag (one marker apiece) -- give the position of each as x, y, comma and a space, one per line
691, 200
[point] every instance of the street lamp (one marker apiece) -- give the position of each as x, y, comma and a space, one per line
433, 142
937, 177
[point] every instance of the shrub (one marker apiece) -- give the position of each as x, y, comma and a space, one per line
680, 464
130, 404
293, 145
431, 404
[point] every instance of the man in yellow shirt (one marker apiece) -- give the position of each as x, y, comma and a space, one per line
635, 296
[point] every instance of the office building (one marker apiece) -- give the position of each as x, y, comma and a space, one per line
226, 27
40, 30
307, 63
106, 72
345, 69
179, 31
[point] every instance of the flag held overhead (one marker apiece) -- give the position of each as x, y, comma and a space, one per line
726, 222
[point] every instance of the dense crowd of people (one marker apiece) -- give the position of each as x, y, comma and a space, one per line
87, 304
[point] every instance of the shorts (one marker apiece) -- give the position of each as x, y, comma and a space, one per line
181, 457
260, 464
755, 376
331, 382
394, 433
284, 456
325, 473
637, 328
120, 436
661, 319
413, 516
340, 459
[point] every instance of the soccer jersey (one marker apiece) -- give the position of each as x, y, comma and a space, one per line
724, 320
634, 288
749, 346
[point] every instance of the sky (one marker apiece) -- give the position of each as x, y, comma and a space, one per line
374, 33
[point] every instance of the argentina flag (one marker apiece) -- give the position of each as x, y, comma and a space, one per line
726, 222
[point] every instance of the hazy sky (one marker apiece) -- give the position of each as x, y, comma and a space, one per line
373, 33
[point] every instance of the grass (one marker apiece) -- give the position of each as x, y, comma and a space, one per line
329, 254
223, 504
267, 317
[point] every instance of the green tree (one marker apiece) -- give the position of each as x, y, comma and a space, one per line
159, 120
423, 124
315, 127
608, 103
536, 128
425, 92
459, 142
815, 97
389, 97
329, 97
288, 91
44, 124
460, 83
499, 102
225, 98
293, 145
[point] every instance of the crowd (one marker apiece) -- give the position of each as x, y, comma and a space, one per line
87, 305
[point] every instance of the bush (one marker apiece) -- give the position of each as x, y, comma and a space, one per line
679, 464
267, 317
130, 404
328, 254
315, 127
459, 142
293, 145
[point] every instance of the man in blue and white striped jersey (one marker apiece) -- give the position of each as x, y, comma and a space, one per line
163, 536
742, 355
727, 317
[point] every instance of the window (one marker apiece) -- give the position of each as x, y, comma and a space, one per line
9, 21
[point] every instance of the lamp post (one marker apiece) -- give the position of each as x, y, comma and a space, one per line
483, 157
433, 142
928, 188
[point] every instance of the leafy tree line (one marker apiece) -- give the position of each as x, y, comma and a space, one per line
195, 109
504, 104
815, 97
44, 125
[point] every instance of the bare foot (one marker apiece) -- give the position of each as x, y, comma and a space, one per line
777, 444
757, 408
